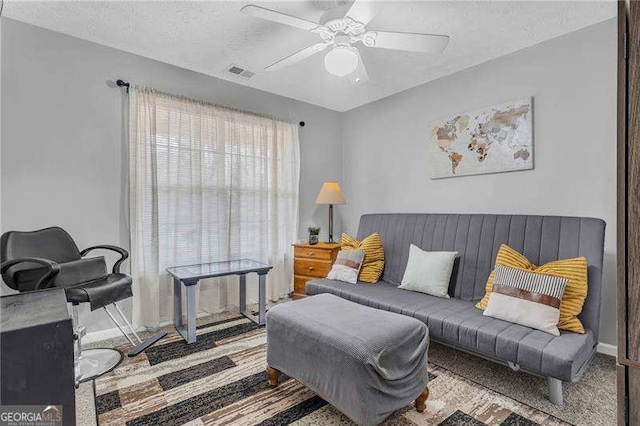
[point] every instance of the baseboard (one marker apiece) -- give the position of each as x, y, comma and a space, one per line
96, 336
607, 349
110, 333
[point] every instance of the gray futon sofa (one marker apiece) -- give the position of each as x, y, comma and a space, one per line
456, 321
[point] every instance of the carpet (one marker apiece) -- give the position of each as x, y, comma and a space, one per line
220, 380
589, 402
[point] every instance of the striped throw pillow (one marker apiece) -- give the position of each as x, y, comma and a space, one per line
347, 266
575, 270
526, 298
373, 263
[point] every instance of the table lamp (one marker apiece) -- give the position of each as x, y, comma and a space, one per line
331, 194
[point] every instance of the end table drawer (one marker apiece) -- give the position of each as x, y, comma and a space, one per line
312, 268
311, 262
312, 253
299, 283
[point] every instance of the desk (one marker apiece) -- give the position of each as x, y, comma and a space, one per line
189, 276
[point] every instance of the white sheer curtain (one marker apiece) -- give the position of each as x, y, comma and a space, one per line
207, 184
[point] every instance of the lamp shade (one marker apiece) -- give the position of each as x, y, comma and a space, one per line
330, 193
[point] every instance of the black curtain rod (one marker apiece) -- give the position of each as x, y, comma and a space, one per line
122, 83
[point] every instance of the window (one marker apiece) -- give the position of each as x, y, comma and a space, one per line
207, 184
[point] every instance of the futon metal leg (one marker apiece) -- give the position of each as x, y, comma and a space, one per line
555, 391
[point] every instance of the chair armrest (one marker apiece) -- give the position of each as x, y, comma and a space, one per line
52, 268
123, 254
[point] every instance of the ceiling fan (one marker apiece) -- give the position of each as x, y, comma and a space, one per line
342, 34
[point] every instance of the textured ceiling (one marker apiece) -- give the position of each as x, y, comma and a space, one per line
208, 36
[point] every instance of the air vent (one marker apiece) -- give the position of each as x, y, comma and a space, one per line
234, 69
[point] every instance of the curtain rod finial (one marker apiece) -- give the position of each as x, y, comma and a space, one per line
302, 124
122, 83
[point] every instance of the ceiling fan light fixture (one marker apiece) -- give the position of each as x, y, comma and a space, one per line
339, 32
341, 60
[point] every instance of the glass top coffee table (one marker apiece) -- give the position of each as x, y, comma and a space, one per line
189, 276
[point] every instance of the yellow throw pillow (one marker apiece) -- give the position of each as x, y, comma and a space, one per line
373, 262
575, 270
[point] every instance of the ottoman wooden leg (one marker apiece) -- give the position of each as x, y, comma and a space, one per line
273, 376
421, 401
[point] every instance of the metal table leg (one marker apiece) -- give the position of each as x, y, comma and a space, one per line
262, 298
177, 303
243, 293
188, 332
191, 312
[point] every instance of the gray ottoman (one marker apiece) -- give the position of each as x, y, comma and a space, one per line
365, 362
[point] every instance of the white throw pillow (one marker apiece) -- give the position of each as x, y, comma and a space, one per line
428, 271
526, 298
347, 266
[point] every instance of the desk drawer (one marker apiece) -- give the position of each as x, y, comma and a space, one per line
312, 253
311, 267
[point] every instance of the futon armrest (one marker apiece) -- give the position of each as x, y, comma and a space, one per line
52, 269
123, 254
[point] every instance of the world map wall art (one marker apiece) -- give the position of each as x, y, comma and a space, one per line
489, 140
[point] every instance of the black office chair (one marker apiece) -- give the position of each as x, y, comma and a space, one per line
50, 258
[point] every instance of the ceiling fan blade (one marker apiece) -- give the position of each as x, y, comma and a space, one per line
429, 43
364, 11
297, 57
360, 75
281, 18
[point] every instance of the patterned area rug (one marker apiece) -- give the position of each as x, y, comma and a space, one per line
220, 380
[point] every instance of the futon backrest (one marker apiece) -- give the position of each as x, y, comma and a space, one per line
477, 238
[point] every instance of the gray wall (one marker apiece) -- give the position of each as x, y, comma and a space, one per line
62, 156
62, 142
573, 82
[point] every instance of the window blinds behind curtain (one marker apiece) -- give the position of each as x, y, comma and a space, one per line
207, 184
